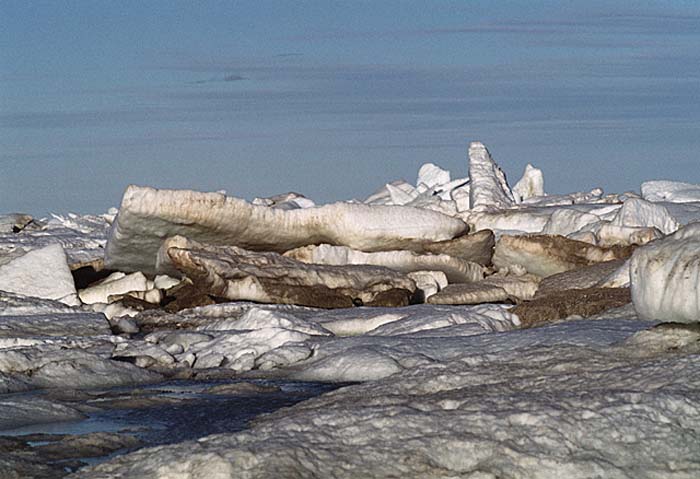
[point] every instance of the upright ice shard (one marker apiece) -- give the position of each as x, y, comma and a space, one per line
489, 188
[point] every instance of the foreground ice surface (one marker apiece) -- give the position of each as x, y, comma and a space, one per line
577, 399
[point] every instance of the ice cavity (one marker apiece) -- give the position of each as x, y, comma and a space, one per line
665, 276
147, 216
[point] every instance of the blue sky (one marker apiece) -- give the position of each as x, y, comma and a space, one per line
334, 99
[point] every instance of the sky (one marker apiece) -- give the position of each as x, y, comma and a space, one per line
335, 99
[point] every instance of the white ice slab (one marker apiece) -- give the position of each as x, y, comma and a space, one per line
147, 216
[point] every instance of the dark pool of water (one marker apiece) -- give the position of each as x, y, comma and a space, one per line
196, 413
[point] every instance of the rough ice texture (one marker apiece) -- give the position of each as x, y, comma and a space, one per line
14, 222
475, 247
671, 191
493, 289
549, 402
571, 302
114, 285
428, 283
22, 411
641, 213
580, 278
148, 216
531, 185
237, 274
74, 324
665, 277
82, 237
470, 293
456, 269
432, 176
545, 255
531, 220
488, 186
42, 273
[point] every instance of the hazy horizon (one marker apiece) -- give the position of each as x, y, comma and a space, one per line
332, 100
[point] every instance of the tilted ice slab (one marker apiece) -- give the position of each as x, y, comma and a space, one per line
456, 269
665, 277
147, 216
672, 191
489, 188
237, 274
432, 176
42, 273
545, 255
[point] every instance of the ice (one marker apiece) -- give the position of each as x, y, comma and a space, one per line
42, 273
488, 186
23, 411
428, 283
545, 255
574, 399
432, 176
671, 191
82, 237
638, 212
531, 185
148, 216
13, 222
665, 276
457, 270
115, 284
237, 274
446, 390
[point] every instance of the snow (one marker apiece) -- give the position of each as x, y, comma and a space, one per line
148, 216
665, 276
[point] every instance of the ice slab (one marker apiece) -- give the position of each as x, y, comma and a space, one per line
665, 277
456, 269
42, 273
148, 216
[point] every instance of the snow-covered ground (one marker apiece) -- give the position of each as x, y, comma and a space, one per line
410, 295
